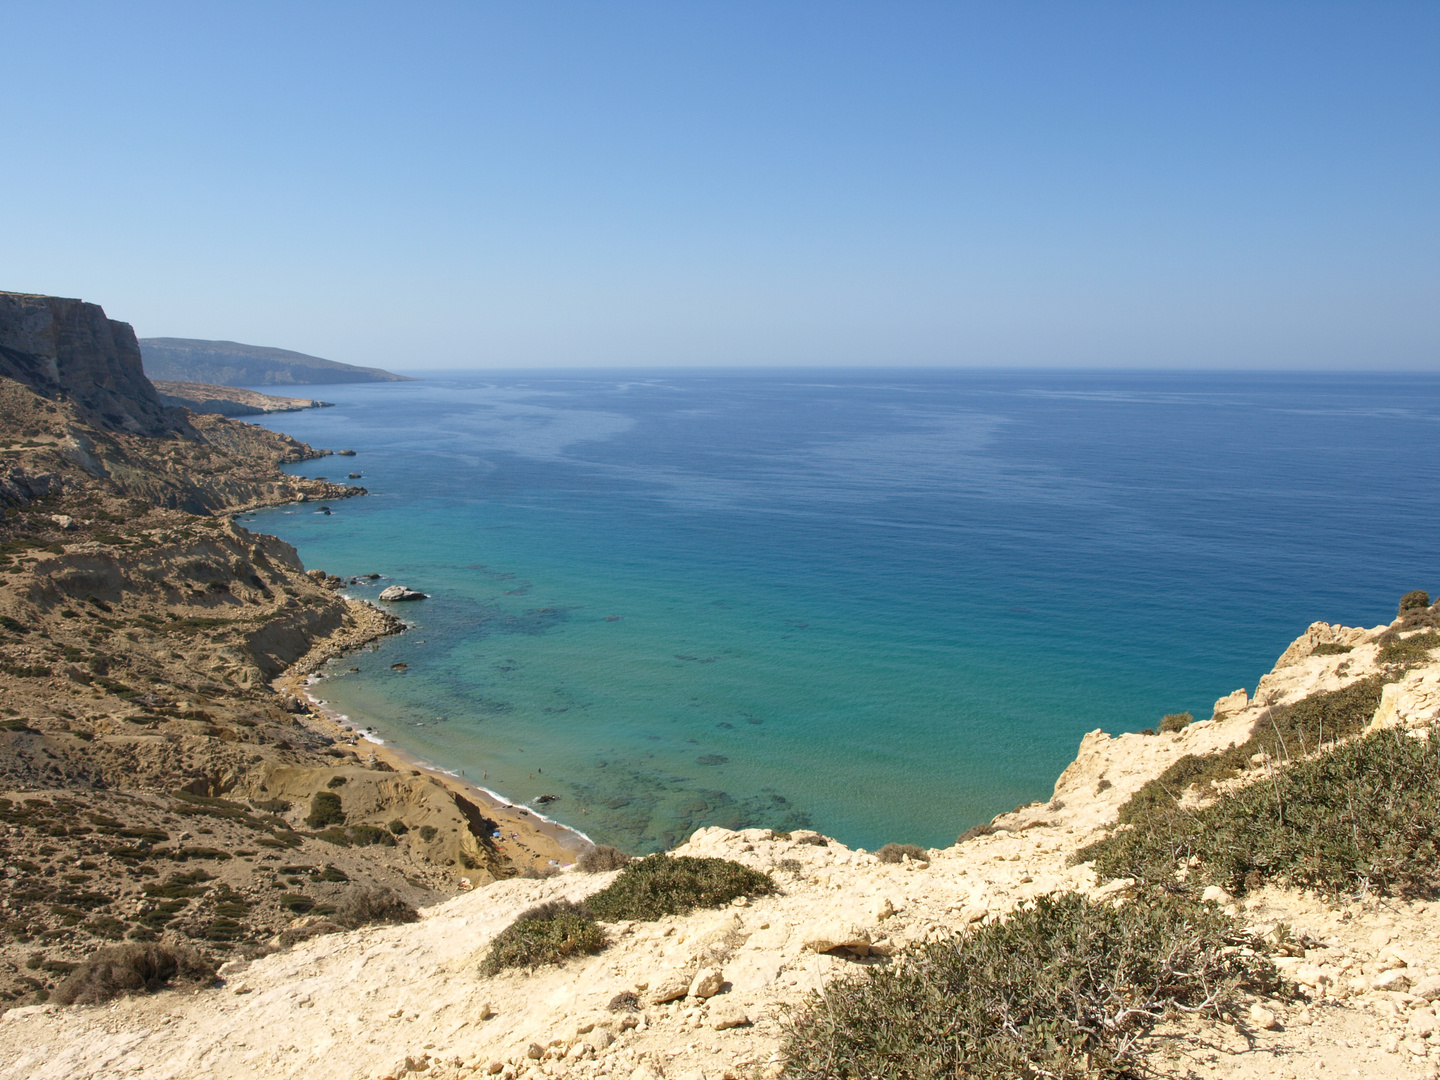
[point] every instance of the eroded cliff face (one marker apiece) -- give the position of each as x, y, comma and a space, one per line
66, 348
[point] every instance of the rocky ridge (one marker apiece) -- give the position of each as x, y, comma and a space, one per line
711, 989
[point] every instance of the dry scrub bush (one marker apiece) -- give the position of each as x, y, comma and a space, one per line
1065, 990
1283, 732
367, 907
1362, 817
1176, 721
603, 857
132, 969
660, 885
545, 934
895, 853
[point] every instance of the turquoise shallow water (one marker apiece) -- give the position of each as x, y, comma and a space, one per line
883, 604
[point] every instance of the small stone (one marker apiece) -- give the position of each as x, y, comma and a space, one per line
668, 986
1394, 979
535, 1052
707, 983
1263, 1018
1214, 894
485, 1012
729, 1016
1427, 988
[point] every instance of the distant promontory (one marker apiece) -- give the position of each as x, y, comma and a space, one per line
229, 363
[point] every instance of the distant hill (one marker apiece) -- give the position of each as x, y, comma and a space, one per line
229, 363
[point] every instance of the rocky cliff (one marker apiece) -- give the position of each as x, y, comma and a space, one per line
68, 350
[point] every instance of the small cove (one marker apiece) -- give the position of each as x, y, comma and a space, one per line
882, 604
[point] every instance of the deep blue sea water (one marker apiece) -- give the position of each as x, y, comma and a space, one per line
884, 604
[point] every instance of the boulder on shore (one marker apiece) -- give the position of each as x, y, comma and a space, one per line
400, 592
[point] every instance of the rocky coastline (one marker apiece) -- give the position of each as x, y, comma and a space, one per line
154, 785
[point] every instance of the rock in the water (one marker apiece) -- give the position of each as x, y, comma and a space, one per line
400, 592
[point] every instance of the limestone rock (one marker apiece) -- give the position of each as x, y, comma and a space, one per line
1233, 702
707, 983
836, 936
1214, 894
1427, 988
1394, 979
1263, 1018
397, 593
668, 986
729, 1016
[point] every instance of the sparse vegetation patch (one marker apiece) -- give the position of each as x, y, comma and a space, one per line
660, 885
1361, 818
1064, 990
132, 969
546, 934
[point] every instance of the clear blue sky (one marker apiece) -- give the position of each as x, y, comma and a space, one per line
432, 185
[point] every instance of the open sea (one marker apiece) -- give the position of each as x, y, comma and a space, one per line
882, 604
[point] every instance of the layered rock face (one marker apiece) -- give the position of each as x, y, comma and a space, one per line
68, 348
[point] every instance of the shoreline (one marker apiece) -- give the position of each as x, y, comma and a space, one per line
520, 826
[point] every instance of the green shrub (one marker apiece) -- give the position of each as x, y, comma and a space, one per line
1331, 648
365, 835
1413, 601
603, 857
132, 969
398, 827
1062, 990
324, 810
546, 934
895, 853
660, 885
1282, 732
427, 832
1363, 817
1409, 650
335, 781
1176, 721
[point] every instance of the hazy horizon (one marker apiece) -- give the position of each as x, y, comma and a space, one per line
562, 186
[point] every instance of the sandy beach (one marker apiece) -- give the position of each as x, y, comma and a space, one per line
527, 838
